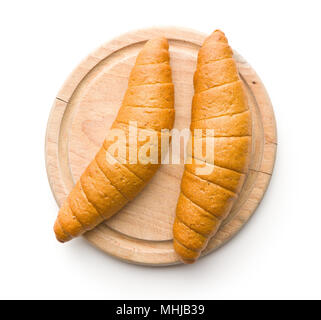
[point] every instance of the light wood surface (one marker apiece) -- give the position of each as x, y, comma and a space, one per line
85, 108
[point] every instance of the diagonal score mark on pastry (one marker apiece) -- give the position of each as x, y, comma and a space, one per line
105, 187
219, 103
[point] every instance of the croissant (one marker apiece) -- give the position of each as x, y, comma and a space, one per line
108, 184
219, 103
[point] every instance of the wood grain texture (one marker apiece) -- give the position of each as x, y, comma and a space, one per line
86, 106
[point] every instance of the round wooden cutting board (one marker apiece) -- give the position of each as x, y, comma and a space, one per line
85, 108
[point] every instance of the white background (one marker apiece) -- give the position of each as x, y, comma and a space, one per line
276, 255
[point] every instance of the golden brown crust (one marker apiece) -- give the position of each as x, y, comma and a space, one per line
195, 217
159, 95
107, 185
233, 153
206, 53
151, 74
235, 125
219, 103
68, 222
223, 177
62, 236
229, 152
123, 179
99, 190
187, 256
207, 195
183, 234
225, 72
154, 51
147, 118
82, 208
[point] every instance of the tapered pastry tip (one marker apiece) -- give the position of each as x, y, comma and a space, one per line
217, 36
154, 51
186, 255
160, 42
60, 233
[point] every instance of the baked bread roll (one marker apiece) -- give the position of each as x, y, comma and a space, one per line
107, 183
219, 103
